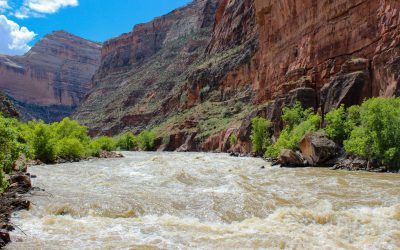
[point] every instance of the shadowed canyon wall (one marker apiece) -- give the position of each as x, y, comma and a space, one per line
50, 80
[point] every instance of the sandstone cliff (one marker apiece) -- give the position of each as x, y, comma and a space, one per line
142, 72
259, 56
50, 80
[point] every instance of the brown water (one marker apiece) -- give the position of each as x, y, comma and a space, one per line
207, 201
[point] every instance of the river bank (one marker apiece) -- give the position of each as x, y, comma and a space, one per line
12, 200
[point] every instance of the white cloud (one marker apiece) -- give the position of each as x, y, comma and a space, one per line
38, 8
14, 39
3, 5
49, 6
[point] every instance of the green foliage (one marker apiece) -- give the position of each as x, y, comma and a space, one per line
238, 107
126, 141
340, 123
70, 148
44, 142
232, 139
10, 147
146, 140
104, 143
226, 113
66, 139
260, 137
377, 137
292, 116
298, 122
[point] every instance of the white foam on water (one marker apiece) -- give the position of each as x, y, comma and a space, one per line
207, 201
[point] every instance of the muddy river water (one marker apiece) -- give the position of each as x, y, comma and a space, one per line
207, 201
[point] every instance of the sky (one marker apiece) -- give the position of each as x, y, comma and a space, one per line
24, 22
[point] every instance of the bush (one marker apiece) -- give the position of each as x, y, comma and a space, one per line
341, 122
232, 140
260, 138
70, 149
238, 107
104, 143
126, 141
226, 113
377, 136
292, 116
47, 142
146, 140
10, 148
290, 139
44, 142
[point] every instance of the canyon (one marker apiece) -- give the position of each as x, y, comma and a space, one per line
200, 73
51, 79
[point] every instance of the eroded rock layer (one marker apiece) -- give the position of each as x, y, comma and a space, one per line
254, 57
55, 73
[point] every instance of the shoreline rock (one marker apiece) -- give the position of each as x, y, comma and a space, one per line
12, 200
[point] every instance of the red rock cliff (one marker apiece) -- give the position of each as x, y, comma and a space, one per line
56, 71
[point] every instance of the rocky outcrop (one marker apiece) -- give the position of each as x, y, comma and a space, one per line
290, 158
54, 75
6, 107
265, 54
317, 149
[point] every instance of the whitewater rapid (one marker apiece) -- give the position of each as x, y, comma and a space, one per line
206, 201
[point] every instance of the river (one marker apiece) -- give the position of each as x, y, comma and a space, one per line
207, 201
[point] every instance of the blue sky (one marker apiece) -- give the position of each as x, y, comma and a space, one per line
23, 22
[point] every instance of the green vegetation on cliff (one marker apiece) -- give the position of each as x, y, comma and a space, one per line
370, 131
298, 122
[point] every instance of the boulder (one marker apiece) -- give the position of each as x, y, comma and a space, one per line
290, 158
22, 181
317, 149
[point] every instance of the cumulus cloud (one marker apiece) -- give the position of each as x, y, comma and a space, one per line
14, 39
3, 5
38, 8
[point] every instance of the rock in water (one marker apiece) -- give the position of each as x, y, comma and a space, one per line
290, 158
317, 149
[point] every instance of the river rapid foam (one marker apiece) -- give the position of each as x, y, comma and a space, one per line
207, 201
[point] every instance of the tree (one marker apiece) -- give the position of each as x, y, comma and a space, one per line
260, 137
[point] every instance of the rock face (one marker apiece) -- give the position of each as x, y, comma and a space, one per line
50, 80
260, 54
141, 74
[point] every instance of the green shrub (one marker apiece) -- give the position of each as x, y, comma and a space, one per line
260, 137
104, 143
292, 116
44, 143
146, 140
290, 137
47, 142
70, 148
126, 141
232, 139
341, 122
10, 147
226, 113
377, 137
238, 107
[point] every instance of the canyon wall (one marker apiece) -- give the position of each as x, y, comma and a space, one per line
200, 73
141, 74
50, 80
